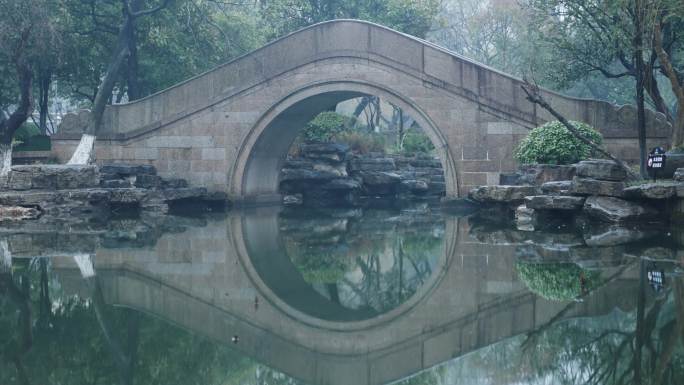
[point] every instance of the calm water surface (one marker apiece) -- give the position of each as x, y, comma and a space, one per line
273, 296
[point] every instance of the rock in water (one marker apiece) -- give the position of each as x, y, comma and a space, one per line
601, 169
610, 209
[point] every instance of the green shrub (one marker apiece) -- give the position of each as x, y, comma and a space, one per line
325, 127
35, 143
556, 281
417, 142
552, 143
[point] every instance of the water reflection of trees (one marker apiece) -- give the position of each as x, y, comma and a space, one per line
376, 264
48, 337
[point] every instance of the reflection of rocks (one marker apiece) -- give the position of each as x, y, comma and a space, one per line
614, 235
612, 209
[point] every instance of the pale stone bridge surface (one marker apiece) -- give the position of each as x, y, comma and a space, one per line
229, 129
205, 280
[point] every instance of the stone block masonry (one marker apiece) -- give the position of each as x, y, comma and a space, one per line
229, 129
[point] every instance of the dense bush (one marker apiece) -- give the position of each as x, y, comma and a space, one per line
325, 127
552, 143
29, 138
557, 281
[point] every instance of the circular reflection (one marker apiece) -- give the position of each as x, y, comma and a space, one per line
348, 265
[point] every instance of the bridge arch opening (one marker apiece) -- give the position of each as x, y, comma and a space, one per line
255, 177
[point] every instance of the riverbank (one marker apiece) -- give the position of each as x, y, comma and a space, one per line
76, 193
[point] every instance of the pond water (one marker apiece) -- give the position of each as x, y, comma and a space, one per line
282, 296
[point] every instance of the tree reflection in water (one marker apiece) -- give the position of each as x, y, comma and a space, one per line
374, 263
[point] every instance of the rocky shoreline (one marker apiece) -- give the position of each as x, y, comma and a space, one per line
591, 191
76, 193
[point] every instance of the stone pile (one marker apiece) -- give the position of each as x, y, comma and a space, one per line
327, 174
80, 192
597, 190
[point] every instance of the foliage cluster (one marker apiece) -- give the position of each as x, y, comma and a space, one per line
416, 141
557, 281
553, 143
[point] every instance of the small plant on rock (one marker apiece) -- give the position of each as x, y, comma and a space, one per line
552, 143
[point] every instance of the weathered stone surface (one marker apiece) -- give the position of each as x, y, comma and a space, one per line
342, 184
588, 186
333, 152
554, 202
611, 209
525, 218
502, 193
116, 183
601, 169
53, 177
125, 169
302, 174
148, 181
678, 175
338, 170
371, 164
538, 174
293, 200
415, 186
651, 191
426, 162
174, 183
127, 195
16, 213
559, 187
379, 182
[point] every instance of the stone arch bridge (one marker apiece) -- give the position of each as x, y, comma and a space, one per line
229, 129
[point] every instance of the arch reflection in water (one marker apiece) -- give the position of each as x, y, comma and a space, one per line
203, 280
344, 265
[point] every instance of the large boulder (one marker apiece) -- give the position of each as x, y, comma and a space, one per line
554, 202
611, 209
371, 164
121, 170
600, 169
379, 182
538, 174
651, 191
53, 177
678, 175
502, 194
588, 186
525, 218
613, 235
331, 152
560, 187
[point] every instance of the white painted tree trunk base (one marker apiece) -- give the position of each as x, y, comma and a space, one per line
84, 151
5, 159
5, 256
85, 265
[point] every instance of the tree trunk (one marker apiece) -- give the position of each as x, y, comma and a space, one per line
44, 90
675, 82
84, 152
132, 79
10, 125
639, 63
